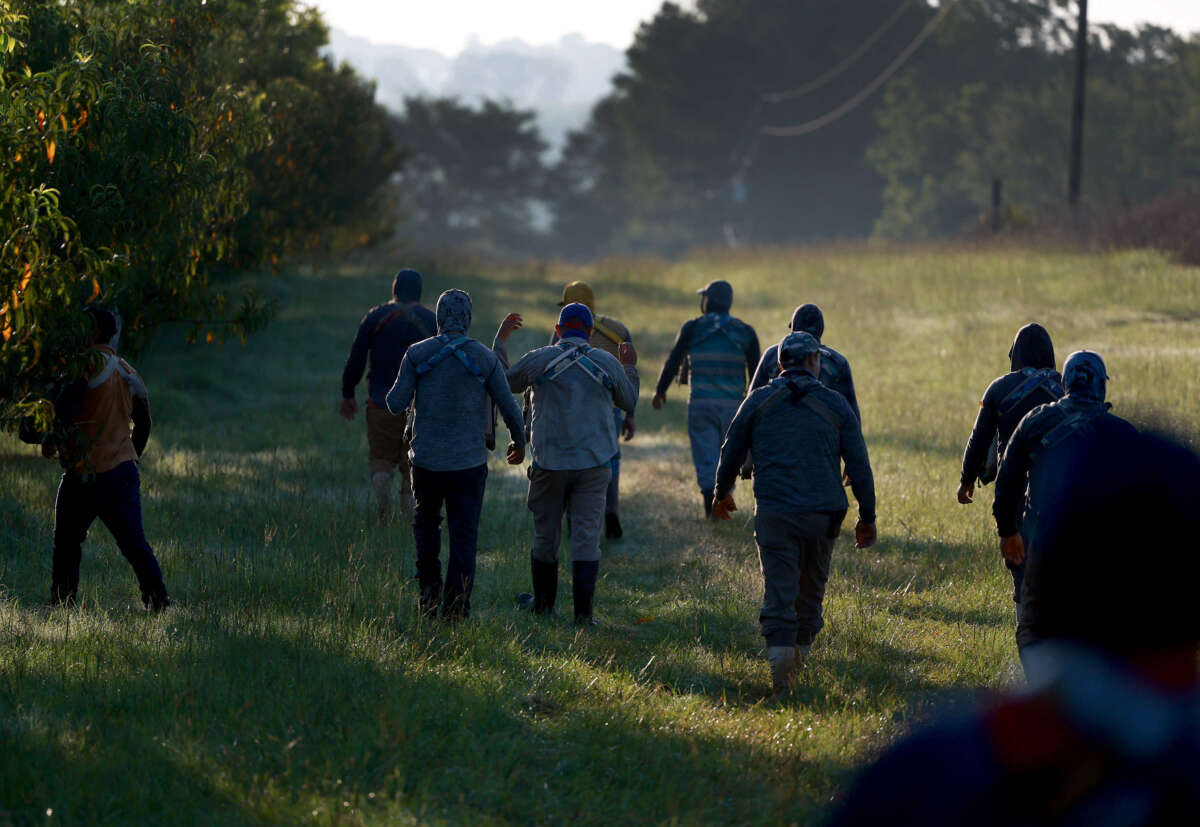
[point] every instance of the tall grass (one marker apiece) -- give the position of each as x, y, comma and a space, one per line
293, 681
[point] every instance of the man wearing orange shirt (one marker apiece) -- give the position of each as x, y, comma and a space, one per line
99, 454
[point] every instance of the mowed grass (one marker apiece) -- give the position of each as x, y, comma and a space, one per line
293, 681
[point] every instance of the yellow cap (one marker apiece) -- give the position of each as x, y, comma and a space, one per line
579, 291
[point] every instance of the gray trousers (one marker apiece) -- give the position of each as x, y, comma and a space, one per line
708, 420
795, 552
579, 495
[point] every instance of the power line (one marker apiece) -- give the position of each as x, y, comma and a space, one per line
854, 102
800, 91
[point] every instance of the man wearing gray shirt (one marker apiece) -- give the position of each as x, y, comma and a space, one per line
574, 439
799, 431
456, 381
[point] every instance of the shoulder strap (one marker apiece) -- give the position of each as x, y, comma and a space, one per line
829, 366
721, 327
606, 331
452, 347
405, 313
1043, 378
1073, 425
576, 357
111, 364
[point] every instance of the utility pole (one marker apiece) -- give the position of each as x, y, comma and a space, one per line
1081, 56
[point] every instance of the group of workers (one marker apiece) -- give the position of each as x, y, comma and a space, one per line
1079, 494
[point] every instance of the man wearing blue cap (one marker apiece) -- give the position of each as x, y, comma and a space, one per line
574, 438
1027, 468
799, 431
383, 337
723, 352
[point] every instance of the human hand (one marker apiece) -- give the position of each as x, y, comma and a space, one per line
515, 454
864, 535
627, 354
658, 401
723, 509
628, 428
512, 321
1013, 549
348, 409
966, 493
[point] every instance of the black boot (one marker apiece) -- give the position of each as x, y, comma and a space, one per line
156, 600
612, 527
545, 588
430, 600
583, 586
708, 502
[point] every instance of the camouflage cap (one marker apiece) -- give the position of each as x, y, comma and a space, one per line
796, 347
579, 292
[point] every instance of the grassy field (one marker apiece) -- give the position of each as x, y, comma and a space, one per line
293, 681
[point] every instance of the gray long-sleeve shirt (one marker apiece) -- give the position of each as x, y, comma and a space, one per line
798, 446
573, 426
453, 411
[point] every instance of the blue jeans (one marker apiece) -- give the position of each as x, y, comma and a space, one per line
708, 420
115, 497
462, 494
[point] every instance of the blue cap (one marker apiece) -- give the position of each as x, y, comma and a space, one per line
575, 320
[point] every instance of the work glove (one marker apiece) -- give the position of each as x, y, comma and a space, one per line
627, 354
723, 509
1013, 549
864, 535
966, 493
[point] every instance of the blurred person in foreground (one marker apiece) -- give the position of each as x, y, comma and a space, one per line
1029, 469
99, 453
723, 352
835, 368
384, 336
1033, 380
799, 432
574, 438
608, 334
456, 381
1108, 731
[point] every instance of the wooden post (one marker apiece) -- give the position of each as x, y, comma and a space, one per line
997, 202
1075, 178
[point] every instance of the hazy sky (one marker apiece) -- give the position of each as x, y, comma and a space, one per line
446, 25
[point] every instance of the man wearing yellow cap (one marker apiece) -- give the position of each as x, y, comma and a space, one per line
607, 334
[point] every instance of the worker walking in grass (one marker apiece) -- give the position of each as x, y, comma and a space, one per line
608, 334
383, 337
1028, 471
574, 439
799, 431
835, 369
1107, 733
1032, 381
99, 454
456, 381
723, 352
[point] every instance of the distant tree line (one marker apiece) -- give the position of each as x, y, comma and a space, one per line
676, 155
150, 149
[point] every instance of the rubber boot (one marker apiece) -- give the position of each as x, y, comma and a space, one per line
782, 660
545, 588
583, 587
708, 502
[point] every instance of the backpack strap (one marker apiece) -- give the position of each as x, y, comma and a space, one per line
575, 357
1070, 427
607, 332
1044, 378
789, 391
405, 313
829, 367
722, 327
452, 347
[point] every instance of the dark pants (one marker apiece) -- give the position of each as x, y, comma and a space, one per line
462, 493
795, 551
115, 497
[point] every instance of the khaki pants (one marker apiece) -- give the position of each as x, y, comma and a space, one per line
386, 443
578, 494
795, 551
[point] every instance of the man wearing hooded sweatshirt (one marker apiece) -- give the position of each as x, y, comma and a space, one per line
835, 368
456, 381
608, 334
1027, 471
384, 335
723, 352
799, 431
1033, 381
574, 438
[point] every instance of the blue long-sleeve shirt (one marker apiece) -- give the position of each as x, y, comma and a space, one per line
383, 337
798, 447
835, 374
